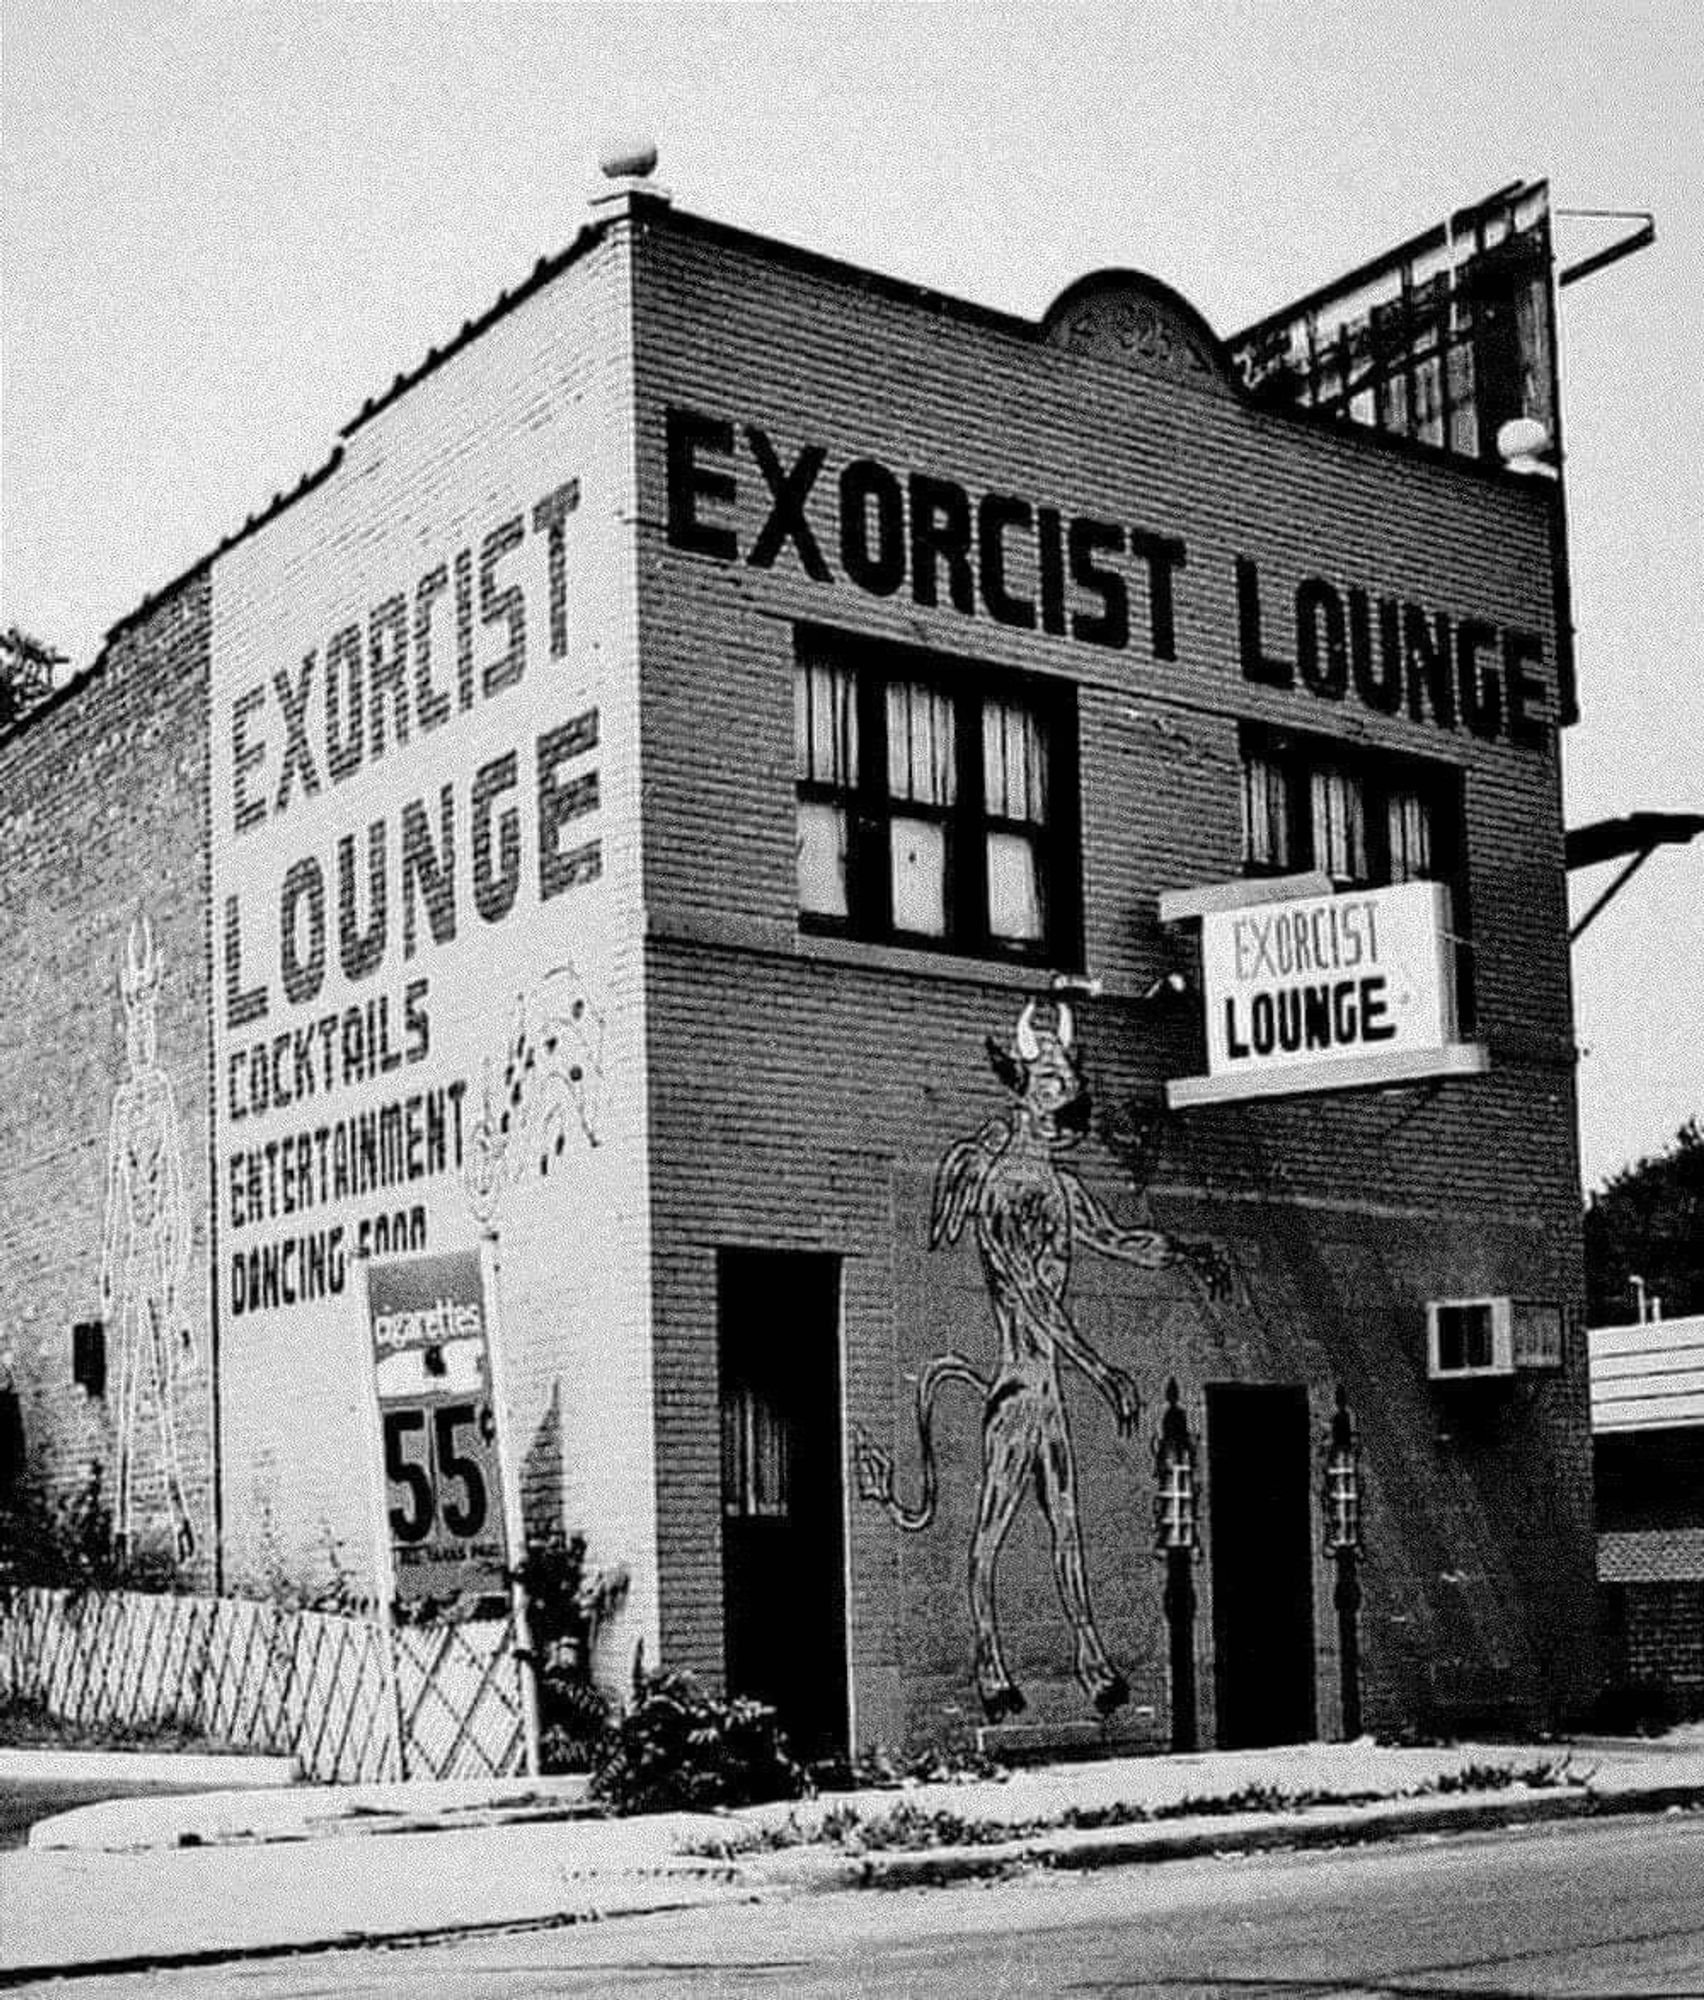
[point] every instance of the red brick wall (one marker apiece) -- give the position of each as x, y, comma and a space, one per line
531, 415
780, 1094
102, 809
1658, 1639
104, 803
802, 1095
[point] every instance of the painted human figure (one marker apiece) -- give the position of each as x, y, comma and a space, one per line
1027, 1213
146, 1242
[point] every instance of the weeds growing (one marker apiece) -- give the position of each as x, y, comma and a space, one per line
909, 1827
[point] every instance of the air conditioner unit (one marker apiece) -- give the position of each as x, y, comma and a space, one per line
1469, 1339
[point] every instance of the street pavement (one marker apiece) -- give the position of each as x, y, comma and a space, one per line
175, 1881
1572, 1910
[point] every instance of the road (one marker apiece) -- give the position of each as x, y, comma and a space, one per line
1588, 1909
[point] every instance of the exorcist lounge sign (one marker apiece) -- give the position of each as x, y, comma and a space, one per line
740, 496
1323, 992
406, 773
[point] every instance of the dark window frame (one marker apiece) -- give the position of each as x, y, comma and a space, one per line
1441, 360
1381, 776
871, 808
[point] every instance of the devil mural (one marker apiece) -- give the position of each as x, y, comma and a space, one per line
1028, 1212
146, 1240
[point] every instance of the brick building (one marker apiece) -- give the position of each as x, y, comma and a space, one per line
933, 875
1648, 1453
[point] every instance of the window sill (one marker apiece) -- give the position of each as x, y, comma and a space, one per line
922, 963
678, 925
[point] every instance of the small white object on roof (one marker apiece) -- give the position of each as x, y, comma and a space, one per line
1522, 443
625, 168
632, 159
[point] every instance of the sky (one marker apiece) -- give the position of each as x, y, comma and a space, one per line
225, 226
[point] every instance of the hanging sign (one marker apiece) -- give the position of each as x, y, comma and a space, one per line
438, 1419
1327, 992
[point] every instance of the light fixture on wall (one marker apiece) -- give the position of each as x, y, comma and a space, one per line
89, 1358
1175, 1525
1074, 986
1340, 1495
13, 1455
1167, 990
1176, 1537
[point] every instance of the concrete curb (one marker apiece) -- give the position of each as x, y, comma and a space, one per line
1188, 1839
1292, 1778
659, 1867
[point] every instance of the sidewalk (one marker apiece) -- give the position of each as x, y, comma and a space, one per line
147, 1767
240, 1873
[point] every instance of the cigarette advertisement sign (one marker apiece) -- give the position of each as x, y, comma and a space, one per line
1328, 992
438, 1417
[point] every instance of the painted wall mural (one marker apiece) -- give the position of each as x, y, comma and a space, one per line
1027, 1212
145, 1246
552, 1083
414, 815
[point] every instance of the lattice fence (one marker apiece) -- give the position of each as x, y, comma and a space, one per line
305, 1684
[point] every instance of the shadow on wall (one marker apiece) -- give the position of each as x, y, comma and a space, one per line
541, 1475
1018, 1442
1008, 1190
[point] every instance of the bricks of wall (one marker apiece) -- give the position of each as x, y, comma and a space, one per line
803, 1094
1664, 1638
1477, 1503
755, 1089
466, 568
466, 561
102, 810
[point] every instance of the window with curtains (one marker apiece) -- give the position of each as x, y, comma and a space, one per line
1360, 817
936, 802
1363, 817
757, 1457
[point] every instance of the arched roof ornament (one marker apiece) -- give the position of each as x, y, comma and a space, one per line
1128, 317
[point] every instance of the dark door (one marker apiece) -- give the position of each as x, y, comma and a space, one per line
1260, 1517
783, 1593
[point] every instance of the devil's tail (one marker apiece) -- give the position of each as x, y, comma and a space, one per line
874, 1462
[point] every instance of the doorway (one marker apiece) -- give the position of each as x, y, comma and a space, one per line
1260, 1513
783, 1537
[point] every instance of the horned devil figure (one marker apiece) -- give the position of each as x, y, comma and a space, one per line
145, 1248
1028, 1212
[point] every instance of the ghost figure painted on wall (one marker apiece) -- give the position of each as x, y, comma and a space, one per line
1027, 1212
145, 1246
